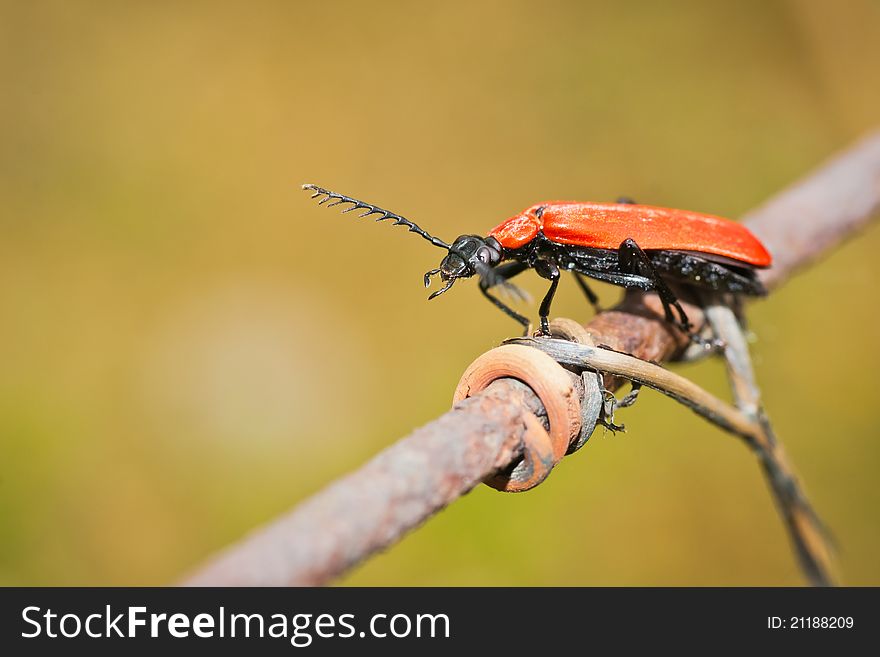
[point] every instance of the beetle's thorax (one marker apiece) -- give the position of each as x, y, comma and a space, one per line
519, 230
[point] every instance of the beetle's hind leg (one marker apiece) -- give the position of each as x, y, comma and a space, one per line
610, 404
630, 397
632, 259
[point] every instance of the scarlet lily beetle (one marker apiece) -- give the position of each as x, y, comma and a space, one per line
623, 243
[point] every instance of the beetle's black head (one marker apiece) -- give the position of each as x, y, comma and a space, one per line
468, 255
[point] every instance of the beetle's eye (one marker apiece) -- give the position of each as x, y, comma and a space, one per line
483, 255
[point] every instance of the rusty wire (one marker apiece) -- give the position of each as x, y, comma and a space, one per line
375, 506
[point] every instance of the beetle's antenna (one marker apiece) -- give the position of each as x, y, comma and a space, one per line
370, 210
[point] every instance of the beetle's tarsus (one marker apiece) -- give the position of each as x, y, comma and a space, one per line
610, 426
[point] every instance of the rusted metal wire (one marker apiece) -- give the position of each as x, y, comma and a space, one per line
400, 488
371, 508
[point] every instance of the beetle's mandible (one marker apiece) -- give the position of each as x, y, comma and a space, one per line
623, 243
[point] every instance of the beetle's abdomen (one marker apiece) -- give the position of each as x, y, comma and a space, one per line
606, 225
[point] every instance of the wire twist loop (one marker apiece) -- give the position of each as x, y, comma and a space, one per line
571, 418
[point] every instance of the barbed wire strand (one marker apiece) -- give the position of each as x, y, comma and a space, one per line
405, 484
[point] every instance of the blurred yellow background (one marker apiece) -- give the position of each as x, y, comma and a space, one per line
190, 346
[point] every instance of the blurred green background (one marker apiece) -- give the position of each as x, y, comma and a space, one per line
190, 346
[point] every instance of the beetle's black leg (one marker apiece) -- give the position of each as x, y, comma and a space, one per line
587, 290
609, 403
631, 396
506, 310
548, 270
626, 200
503, 272
633, 260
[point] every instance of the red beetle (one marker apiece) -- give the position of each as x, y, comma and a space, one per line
634, 246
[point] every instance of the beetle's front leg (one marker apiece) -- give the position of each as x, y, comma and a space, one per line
548, 270
503, 273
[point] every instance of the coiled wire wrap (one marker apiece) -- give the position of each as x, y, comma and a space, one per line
571, 418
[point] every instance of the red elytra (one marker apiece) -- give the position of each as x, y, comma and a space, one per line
606, 225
